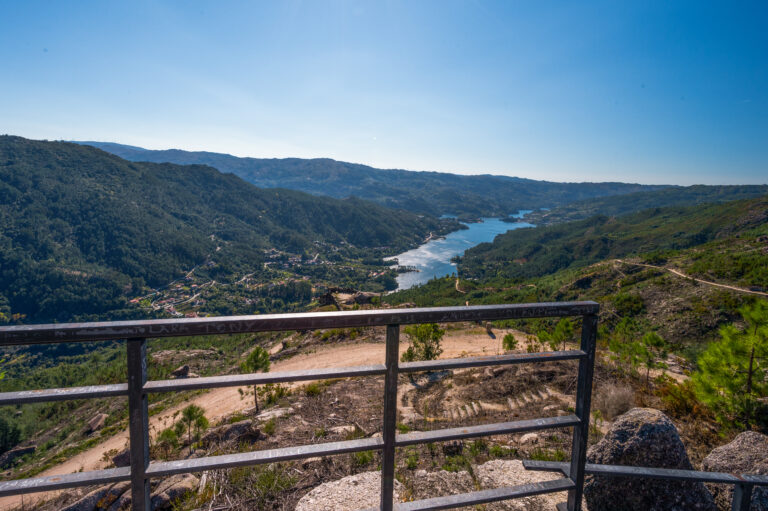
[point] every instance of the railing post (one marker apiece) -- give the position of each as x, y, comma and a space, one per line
583, 401
390, 417
138, 429
742, 497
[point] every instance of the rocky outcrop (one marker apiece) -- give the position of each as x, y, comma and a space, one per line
9, 457
499, 473
97, 422
431, 484
181, 371
746, 454
238, 431
117, 496
643, 437
351, 493
122, 459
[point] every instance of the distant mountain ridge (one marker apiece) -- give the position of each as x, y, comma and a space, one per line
433, 193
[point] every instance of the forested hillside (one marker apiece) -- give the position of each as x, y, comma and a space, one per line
638, 201
422, 192
534, 252
83, 229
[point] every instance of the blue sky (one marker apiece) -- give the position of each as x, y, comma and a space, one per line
651, 92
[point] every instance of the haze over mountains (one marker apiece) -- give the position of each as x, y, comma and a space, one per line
433, 193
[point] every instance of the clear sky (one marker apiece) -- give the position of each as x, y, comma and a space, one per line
651, 92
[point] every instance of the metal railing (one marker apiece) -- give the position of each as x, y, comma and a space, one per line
137, 389
137, 333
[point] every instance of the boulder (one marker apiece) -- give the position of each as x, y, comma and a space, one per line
17, 452
746, 454
122, 459
499, 473
643, 437
181, 371
360, 491
364, 297
172, 489
432, 484
529, 438
97, 422
238, 431
101, 498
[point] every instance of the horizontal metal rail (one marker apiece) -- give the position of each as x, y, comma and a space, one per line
239, 380
103, 331
40, 396
671, 474
485, 496
138, 388
62, 482
742, 483
517, 358
501, 428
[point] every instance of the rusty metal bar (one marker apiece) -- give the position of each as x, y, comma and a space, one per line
167, 468
499, 428
39, 396
517, 358
138, 424
101, 331
60, 482
742, 497
484, 496
389, 427
238, 380
583, 401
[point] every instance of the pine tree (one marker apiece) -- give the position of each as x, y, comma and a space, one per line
733, 372
258, 360
425, 342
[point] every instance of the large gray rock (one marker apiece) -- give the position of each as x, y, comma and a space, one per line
351, 493
433, 484
500, 473
746, 454
173, 489
101, 498
643, 437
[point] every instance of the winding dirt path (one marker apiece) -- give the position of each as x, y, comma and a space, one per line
701, 281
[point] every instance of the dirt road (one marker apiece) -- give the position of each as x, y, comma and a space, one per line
700, 281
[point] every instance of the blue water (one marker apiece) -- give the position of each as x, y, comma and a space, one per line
433, 259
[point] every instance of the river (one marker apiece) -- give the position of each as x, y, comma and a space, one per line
433, 259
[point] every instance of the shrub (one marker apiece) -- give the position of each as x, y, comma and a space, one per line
509, 342
613, 400
362, 458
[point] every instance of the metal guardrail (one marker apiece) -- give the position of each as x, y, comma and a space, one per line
743, 483
142, 469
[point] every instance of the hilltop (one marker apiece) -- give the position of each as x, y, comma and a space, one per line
433, 193
83, 230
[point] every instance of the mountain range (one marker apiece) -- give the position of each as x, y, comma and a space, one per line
434, 193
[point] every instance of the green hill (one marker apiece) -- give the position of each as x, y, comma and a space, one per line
640, 268
534, 252
433, 193
83, 229
638, 201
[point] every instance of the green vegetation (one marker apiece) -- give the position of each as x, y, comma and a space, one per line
257, 361
536, 252
421, 192
194, 421
509, 342
616, 205
82, 231
424, 342
733, 373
